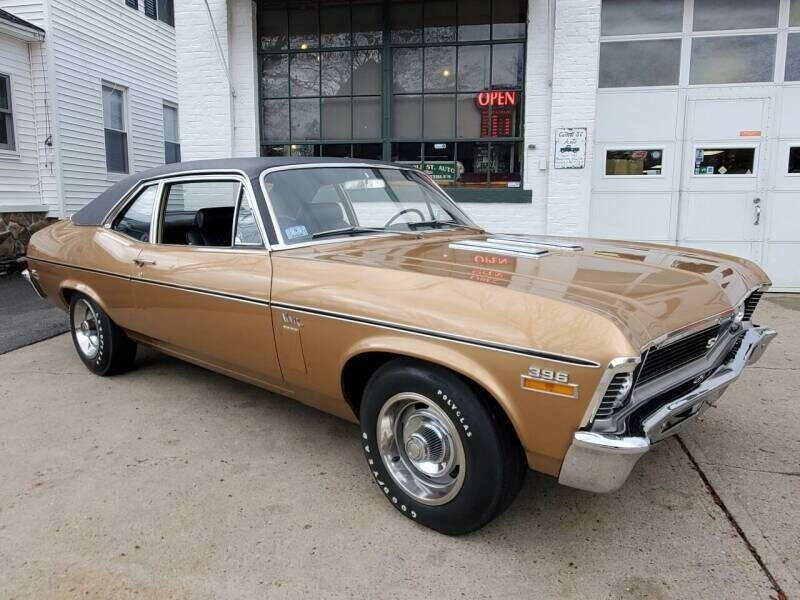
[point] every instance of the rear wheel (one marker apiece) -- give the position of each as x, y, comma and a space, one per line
439, 451
101, 344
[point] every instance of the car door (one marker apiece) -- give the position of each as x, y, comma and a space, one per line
202, 290
116, 247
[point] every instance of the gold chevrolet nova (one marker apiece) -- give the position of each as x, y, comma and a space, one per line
361, 289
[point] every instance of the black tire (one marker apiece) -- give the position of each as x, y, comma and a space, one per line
493, 461
102, 346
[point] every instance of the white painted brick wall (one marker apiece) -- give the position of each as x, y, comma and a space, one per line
575, 67
204, 93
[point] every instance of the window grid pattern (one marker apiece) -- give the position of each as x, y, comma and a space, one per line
699, 33
280, 100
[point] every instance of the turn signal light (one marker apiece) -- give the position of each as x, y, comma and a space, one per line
550, 387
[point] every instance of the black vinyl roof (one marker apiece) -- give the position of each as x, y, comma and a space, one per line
94, 212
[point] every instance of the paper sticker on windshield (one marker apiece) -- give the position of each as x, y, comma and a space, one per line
296, 232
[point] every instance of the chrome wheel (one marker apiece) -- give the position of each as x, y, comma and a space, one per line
84, 322
420, 448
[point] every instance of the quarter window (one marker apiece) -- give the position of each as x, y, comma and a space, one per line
172, 145
116, 136
6, 115
136, 218
634, 162
247, 233
724, 161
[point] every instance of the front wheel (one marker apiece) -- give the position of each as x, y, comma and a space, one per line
440, 452
102, 346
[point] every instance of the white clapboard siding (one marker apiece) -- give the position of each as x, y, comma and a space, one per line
19, 182
104, 40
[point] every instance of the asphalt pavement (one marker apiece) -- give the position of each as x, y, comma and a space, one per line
24, 317
174, 482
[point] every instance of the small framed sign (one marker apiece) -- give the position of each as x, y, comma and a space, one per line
570, 151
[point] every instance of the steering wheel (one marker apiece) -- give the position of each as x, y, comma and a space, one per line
401, 213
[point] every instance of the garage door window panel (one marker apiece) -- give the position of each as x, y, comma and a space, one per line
634, 163
640, 63
726, 162
793, 57
639, 17
732, 59
719, 15
794, 160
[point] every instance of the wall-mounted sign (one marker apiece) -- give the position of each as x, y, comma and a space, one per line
438, 170
497, 112
497, 98
570, 151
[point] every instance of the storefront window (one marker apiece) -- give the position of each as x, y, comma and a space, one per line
323, 78
724, 161
634, 162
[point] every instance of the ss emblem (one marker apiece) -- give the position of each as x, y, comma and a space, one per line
710, 343
547, 374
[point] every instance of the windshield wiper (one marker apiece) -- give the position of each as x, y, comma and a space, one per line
357, 230
439, 224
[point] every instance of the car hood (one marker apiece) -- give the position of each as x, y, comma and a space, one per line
647, 290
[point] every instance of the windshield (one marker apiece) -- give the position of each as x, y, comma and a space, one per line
331, 202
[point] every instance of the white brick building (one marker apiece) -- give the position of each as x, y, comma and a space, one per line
684, 126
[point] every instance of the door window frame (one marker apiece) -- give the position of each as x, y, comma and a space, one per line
245, 187
714, 146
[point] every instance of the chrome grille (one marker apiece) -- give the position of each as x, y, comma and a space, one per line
750, 304
615, 396
668, 358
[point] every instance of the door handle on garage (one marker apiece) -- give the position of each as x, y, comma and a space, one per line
142, 262
757, 217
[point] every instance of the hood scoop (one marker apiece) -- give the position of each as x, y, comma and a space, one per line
500, 247
513, 246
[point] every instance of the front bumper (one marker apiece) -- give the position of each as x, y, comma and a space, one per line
601, 463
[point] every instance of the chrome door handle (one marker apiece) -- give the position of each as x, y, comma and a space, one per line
757, 219
142, 262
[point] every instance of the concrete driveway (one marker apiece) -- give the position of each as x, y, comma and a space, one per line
174, 482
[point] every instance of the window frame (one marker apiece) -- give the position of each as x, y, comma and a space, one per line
789, 148
756, 146
104, 84
629, 148
111, 220
9, 149
244, 185
166, 104
387, 47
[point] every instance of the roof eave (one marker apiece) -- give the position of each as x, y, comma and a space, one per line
21, 32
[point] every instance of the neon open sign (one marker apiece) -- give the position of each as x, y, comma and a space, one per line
497, 98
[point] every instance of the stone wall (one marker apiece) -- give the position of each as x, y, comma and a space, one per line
16, 229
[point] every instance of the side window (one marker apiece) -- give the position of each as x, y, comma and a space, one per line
199, 213
247, 233
135, 219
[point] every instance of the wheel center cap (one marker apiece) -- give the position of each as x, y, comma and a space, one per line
84, 326
416, 448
